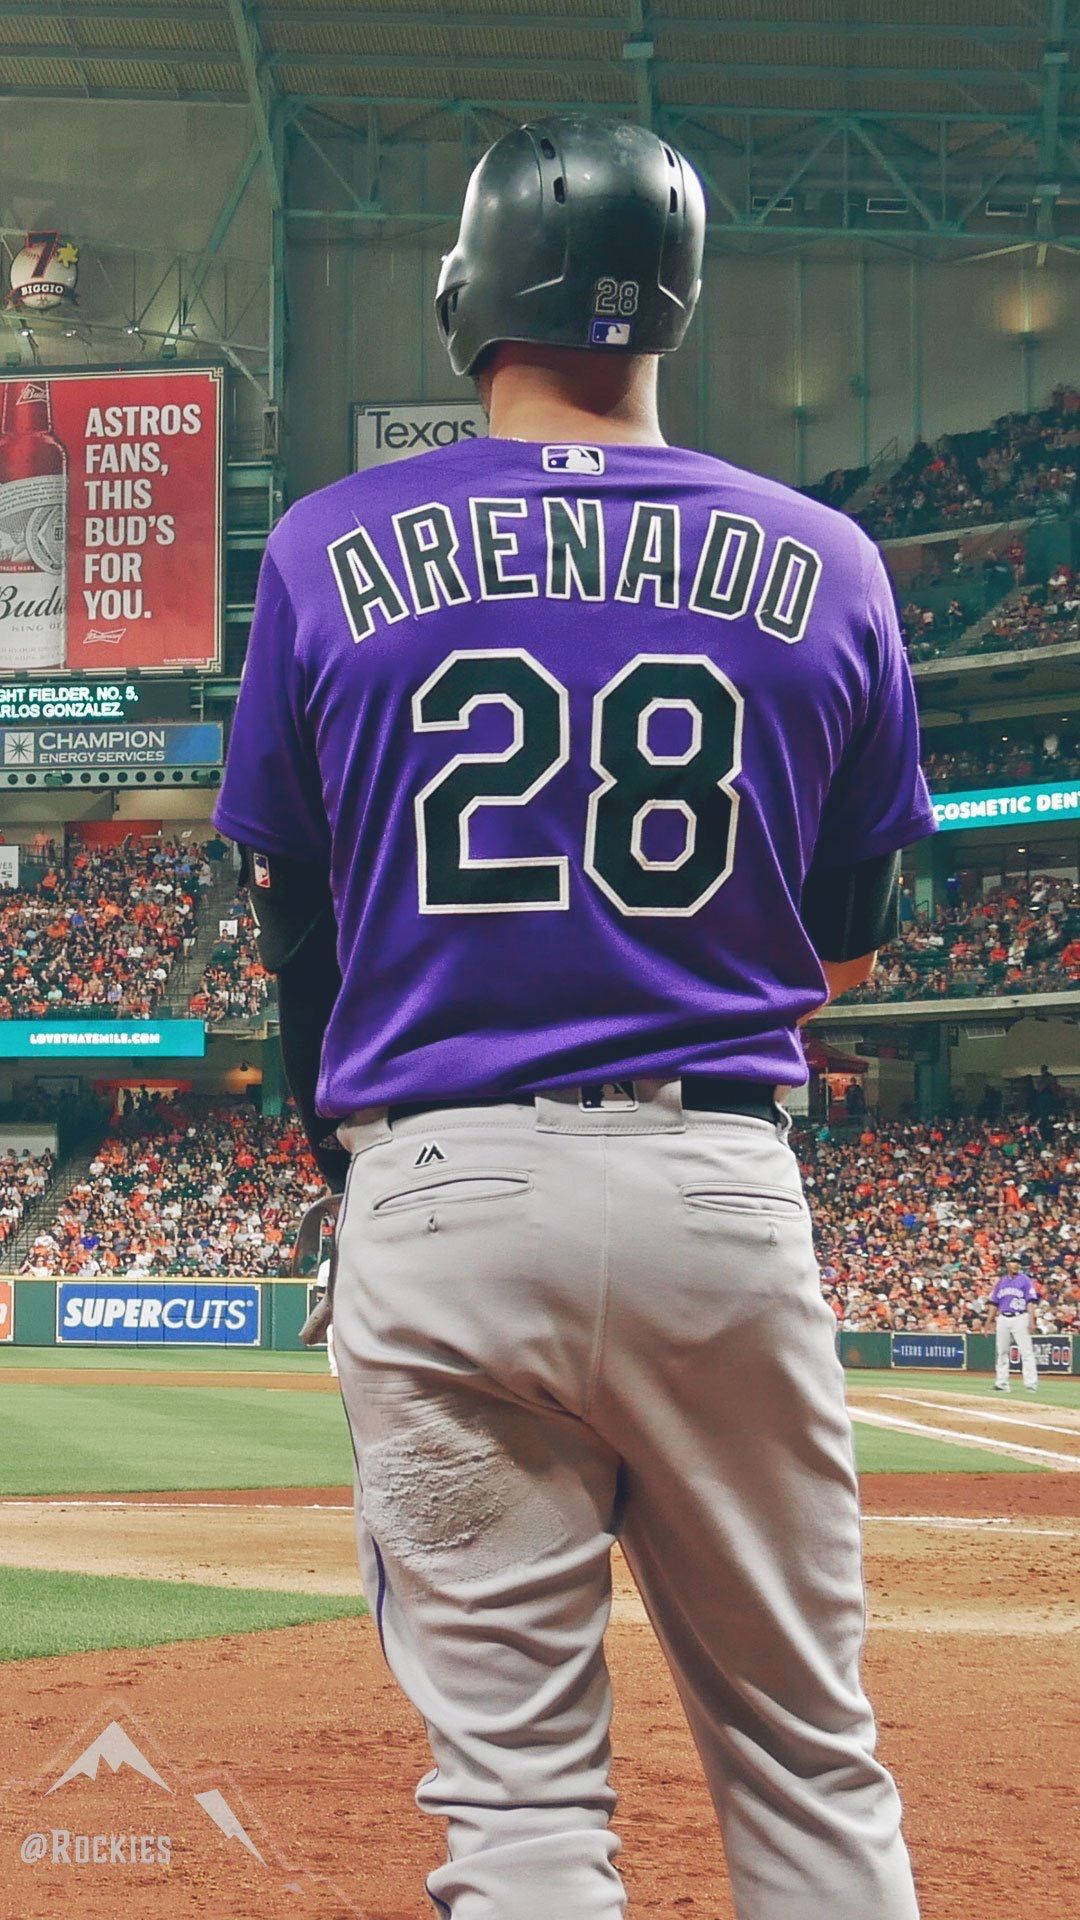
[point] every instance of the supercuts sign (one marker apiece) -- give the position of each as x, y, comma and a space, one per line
393, 430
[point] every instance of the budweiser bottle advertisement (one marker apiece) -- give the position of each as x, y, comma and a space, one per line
33, 530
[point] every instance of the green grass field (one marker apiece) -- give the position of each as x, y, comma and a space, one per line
59, 1613
76, 1437
70, 1436
140, 1439
164, 1359
1055, 1390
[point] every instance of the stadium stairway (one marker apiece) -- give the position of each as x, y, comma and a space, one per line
882, 467
41, 1215
969, 641
187, 973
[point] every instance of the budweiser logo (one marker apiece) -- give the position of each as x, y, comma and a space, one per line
104, 636
35, 391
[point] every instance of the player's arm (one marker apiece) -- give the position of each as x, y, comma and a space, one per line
876, 805
297, 940
271, 804
849, 913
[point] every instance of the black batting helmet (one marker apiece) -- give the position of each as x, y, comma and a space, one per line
576, 232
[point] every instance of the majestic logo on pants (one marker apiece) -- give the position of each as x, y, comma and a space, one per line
429, 1154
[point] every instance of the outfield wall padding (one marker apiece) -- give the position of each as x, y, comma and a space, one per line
285, 1303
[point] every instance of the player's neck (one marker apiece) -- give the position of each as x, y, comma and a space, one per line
545, 394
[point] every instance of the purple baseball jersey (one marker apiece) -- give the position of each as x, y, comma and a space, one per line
568, 724
1010, 1294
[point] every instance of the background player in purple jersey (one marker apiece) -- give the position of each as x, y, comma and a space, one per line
573, 771
1011, 1317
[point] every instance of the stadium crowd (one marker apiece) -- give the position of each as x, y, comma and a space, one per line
913, 1222
101, 929
1032, 618
1053, 755
235, 986
928, 632
1018, 939
1025, 464
174, 1190
24, 1177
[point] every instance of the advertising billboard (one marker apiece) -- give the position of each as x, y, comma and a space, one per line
110, 520
73, 1039
997, 806
393, 430
7, 1310
167, 744
176, 1313
1053, 1353
928, 1350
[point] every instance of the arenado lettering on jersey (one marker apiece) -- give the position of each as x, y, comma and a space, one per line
729, 576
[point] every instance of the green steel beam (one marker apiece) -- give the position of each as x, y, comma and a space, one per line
278, 309
677, 133
680, 69
638, 52
250, 53
1027, 123
927, 28
256, 61
793, 178
229, 209
1055, 61
744, 227
910, 193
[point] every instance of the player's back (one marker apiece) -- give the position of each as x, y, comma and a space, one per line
582, 716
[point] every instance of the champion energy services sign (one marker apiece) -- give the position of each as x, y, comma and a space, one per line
178, 1313
998, 806
110, 520
162, 744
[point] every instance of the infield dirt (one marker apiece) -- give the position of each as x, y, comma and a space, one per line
306, 1734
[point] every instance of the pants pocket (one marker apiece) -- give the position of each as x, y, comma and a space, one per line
480, 1183
711, 1197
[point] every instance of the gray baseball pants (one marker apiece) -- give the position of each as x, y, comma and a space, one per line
556, 1329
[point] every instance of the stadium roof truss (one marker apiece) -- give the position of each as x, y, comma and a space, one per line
932, 129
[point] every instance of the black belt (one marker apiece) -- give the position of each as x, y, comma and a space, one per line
701, 1093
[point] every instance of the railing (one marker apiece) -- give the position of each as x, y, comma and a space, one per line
188, 972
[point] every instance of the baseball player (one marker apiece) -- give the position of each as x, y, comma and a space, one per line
573, 770
1010, 1316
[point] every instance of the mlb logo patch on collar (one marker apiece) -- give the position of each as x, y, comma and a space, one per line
573, 459
608, 1096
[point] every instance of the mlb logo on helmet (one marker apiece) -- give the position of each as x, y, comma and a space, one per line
573, 460
610, 333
